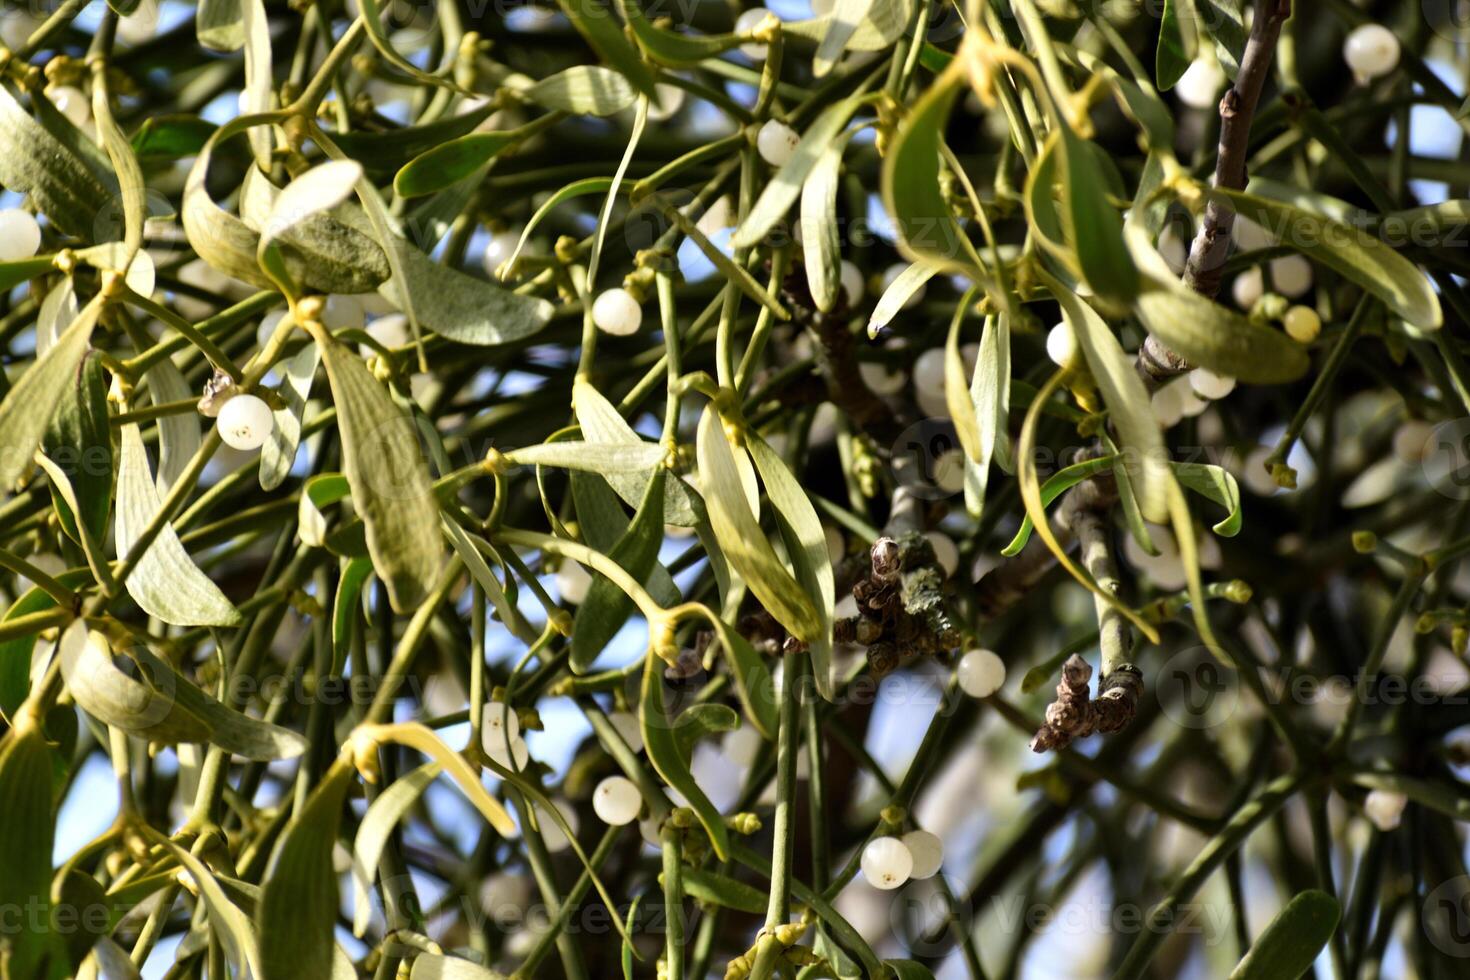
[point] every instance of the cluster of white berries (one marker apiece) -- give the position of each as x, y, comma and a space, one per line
618, 312
980, 673
888, 862
20, 235
1189, 396
1371, 51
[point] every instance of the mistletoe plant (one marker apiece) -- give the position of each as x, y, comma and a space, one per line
619, 488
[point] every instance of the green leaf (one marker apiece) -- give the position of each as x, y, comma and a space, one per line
595, 21
389, 477
465, 309
1057, 484
165, 583
279, 452
1352, 253
385, 153
908, 970
322, 253
385, 813
753, 683
172, 137
1092, 224
701, 721
26, 832
884, 22
904, 285
299, 899
232, 926
178, 434
583, 90
806, 543
990, 394
821, 241
79, 442
61, 171
664, 752
453, 161
1129, 407
145, 706
30, 405
926, 227
741, 539
785, 186
14, 273
355, 572
1175, 50
842, 23
606, 607
672, 48
220, 24
602, 422
1294, 939
317, 492
1206, 333
713, 888
316, 191
1218, 484
592, 457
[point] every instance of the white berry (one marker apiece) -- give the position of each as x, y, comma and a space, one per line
498, 250
1166, 406
551, 833
949, 470
1410, 441
1190, 404
741, 746
1247, 288
880, 379
946, 552
627, 725
617, 312
616, 801
1291, 275
1371, 51
1302, 324
776, 142
515, 759
887, 863
747, 22
929, 370
1061, 345
245, 422
1199, 87
391, 331
572, 582
927, 852
1385, 808
498, 723
1208, 384
71, 102
341, 312
981, 673
20, 235
852, 283
667, 100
